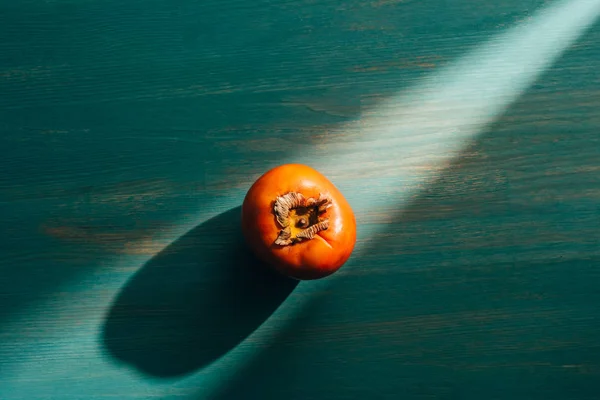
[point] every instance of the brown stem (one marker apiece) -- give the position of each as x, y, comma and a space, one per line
300, 218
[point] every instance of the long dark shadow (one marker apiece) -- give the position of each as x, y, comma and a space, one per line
193, 302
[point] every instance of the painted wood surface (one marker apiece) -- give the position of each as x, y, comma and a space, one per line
130, 131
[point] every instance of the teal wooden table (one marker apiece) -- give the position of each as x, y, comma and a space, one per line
464, 133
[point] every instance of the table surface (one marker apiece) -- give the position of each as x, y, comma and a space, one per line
130, 131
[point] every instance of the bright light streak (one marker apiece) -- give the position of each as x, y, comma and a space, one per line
415, 135
412, 136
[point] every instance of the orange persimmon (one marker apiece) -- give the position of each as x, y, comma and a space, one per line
298, 222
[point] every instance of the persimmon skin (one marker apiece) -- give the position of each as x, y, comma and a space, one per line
310, 259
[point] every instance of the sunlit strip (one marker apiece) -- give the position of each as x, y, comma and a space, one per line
408, 140
400, 145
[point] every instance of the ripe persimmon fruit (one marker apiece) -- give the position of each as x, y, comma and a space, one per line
298, 222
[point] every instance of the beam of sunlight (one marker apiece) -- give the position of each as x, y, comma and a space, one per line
406, 141
395, 149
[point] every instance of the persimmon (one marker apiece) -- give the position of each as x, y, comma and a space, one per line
298, 222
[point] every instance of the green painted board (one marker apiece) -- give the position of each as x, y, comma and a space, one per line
130, 131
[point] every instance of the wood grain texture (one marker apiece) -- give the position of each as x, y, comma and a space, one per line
125, 126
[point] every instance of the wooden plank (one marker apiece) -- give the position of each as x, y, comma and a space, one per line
124, 126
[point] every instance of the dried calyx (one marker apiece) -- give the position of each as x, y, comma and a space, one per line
300, 218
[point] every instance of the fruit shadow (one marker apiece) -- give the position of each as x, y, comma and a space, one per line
193, 302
